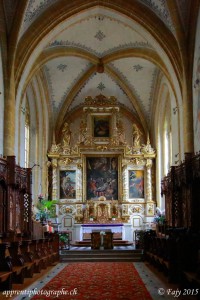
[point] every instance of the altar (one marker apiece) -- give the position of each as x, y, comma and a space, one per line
116, 229
102, 239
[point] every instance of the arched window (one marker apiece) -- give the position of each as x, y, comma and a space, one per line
167, 146
27, 137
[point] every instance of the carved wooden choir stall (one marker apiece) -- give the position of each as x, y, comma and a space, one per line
176, 249
21, 254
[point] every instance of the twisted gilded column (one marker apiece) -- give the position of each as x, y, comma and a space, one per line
150, 206
149, 183
54, 179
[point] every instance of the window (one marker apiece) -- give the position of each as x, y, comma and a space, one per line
27, 136
167, 146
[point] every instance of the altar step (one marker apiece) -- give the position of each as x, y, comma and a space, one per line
87, 243
101, 255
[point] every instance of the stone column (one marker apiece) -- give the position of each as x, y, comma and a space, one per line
9, 117
188, 124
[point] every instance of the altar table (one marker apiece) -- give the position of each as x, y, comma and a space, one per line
116, 229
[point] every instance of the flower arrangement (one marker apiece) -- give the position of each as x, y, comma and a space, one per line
102, 233
159, 217
91, 217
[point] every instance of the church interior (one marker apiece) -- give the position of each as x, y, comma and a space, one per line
100, 133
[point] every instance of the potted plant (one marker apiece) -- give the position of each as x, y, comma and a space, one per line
160, 222
46, 209
64, 240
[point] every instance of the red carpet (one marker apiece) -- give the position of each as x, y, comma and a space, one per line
97, 281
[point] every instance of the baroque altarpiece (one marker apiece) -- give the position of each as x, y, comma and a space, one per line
97, 173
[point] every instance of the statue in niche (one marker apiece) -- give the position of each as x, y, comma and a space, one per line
66, 135
120, 131
136, 136
83, 131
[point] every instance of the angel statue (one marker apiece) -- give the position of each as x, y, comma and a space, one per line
66, 135
136, 135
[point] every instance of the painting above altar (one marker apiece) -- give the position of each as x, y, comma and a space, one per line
102, 177
136, 184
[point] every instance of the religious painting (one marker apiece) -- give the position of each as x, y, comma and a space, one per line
102, 178
101, 126
136, 184
68, 184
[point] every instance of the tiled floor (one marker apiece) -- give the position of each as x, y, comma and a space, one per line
155, 281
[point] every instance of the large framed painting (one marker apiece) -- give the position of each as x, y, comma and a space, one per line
101, 126
136, 184
102, 178
68, 184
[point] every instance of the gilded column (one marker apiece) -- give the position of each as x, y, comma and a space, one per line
149, 188
54, 179
149, 201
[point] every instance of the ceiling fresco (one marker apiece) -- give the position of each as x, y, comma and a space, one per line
35, 8
95, 37
105, 34
62, 74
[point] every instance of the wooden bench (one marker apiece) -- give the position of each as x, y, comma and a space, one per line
18, 263
28, 258
193, 279
5, 281
37, 256
5, 267
161, 252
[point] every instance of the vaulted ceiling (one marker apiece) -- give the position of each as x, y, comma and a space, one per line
87, 48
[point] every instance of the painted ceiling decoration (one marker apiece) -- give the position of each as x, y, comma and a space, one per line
37, 7
98, 50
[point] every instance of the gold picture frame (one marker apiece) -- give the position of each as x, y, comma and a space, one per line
102, 175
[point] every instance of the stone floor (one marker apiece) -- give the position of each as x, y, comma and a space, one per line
130, 247
155, 281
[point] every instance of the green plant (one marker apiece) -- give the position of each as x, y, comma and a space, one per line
64, 237
47, 209
160, 219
